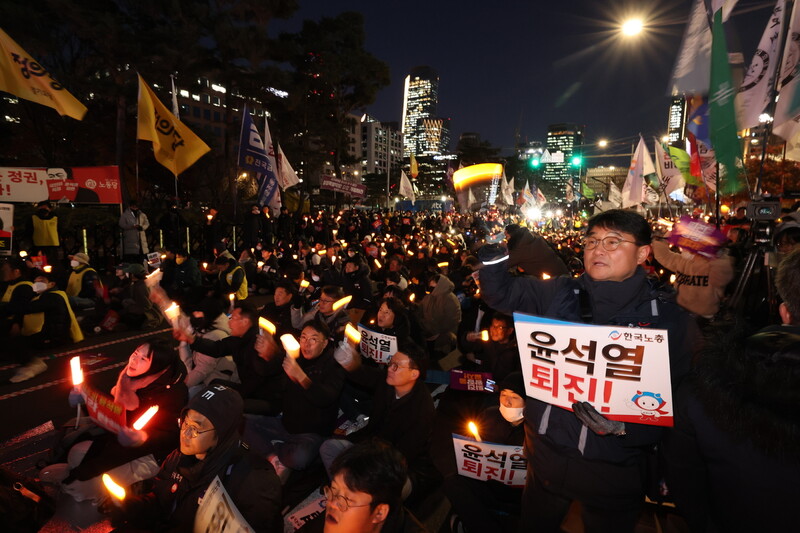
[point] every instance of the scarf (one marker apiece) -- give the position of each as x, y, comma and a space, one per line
124, 391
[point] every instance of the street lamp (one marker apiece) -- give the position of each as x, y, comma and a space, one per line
602, 143
632, 27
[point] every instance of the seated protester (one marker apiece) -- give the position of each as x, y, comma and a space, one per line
391, 319
231, 278
476, 502
119, 286
261, 377
248, 263
48, 322
137, 310
210, 447
402, 413
186, 278
84, 287
153, 376
357, 284
365, 493
314, 278
310, 408
17, 291
267, 273
323, 311
499, 355
279, 311
209, 321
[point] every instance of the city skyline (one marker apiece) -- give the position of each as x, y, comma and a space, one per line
519, 67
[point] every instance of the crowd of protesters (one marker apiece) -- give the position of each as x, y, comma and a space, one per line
272, 419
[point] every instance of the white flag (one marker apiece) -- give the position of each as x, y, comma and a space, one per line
287, 177
508, 191
470, 198
787, 112
668, 174
614, 196
405, 187
175, 107
756, 89
269, 147
641, 164
708, 164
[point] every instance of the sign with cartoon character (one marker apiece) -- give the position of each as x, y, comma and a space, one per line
623, 372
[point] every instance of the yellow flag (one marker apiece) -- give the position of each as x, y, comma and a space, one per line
174, 145
414, 168
23, 76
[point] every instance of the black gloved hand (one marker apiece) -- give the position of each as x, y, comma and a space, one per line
491, 252
601, 425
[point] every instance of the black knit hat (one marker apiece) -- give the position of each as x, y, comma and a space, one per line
513, 382
223, 407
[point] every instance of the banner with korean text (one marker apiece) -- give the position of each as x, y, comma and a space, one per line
377, 346
217, 513
6, 223
80, 185
471, 381
102, 408
623, 372
490, 461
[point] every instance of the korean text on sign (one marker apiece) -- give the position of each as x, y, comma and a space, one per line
376, 345
490, 461
623, 372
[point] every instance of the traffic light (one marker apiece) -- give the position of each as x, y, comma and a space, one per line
576, 161
535, 162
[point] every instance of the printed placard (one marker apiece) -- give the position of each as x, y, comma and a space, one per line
490, 461
623, 372
102, 408
377, 346
6, 223
82, 185
697, 236
217, 512
305, 511
471, 381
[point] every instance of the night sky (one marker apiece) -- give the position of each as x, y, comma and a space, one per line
506, 65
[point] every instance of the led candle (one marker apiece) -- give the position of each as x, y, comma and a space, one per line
145, 418
473, 428
352, 333
291, 345
266, 325
341, 303
77, 373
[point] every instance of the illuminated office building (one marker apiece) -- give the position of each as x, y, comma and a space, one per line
564, 142
420, 99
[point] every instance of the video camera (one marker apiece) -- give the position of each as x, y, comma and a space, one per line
764, 214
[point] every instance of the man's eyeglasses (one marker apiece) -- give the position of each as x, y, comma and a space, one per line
340, 501
394, 365
321, 300
609, 243
191, 431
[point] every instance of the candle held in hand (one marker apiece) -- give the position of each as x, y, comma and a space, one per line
473, 428
291, 345
266, 325
485, 336
77, 373
338, 304
112, 487
145, 418
172, 312
352, 333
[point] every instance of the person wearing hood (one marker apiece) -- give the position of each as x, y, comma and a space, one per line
531, 254
134, 223
209, 321
84, 287
579, 455
231, 278
479, 504
439, 315
48, 322
210, 447
153, 376
357, 284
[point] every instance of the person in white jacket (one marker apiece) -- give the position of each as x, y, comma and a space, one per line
209, 321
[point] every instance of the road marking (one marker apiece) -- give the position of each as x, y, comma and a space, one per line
58, 381
93, 346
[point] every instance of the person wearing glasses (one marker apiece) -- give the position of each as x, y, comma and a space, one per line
402, 412
210, 446
323, 311
365, 493
580, 455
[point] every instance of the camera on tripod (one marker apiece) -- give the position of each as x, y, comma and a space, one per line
763, 214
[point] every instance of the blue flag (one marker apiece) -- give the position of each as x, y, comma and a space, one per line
253, 156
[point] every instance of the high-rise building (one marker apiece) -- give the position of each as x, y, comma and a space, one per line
420, 100
381, 146
564, 144
676, 123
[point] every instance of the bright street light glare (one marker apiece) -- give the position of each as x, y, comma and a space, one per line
632, 27
602, 143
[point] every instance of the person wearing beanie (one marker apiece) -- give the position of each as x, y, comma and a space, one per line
210, 446
479, 505
84, 287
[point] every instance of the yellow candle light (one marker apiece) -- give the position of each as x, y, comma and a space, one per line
209, 217
545, 275
23, 254
77, 373
672, 278
473, 428
47, 268
378, 264
112, 487
341, 303
412, 297
304, 284
205, 265
266, 325
442, 264
485, 335
291, 345
260, 264
145, 418
352, 333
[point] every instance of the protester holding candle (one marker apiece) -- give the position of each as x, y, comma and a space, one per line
153, 377
210, 446
323, 311
497, 354
279, 311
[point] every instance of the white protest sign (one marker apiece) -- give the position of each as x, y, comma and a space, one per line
6, 223
217, 512
304, 512
490, 461
377, 346
623, 372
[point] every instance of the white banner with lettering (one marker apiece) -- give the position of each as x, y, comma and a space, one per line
490, 461
217, 512
377, 346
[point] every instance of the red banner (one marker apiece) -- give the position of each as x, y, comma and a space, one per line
356, 190
81, 185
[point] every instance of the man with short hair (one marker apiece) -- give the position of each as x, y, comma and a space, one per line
580, 455
323, 311
279, 311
